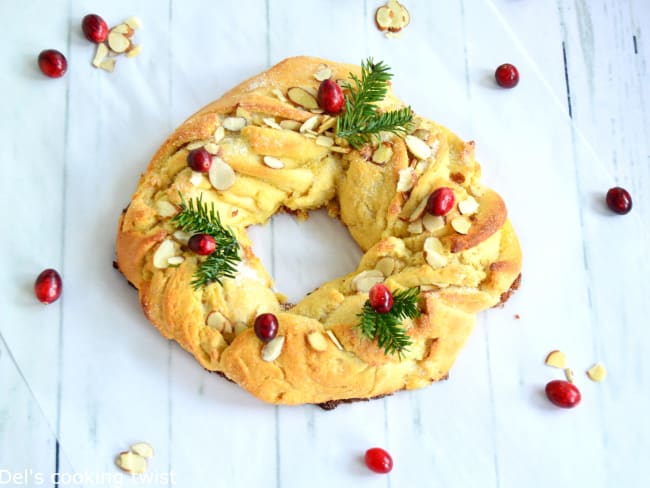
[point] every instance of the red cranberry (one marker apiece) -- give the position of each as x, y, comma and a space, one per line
199, 160
441, 201
507, 76
619, 200
381, 299
563, 394
379, 460
94, 28
48, 286
203, 244
330, 97
52, 63
266, 327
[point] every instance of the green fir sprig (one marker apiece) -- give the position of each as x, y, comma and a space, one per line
361, 122
387, 328
196, 218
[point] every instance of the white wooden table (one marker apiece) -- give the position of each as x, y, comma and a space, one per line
82, 379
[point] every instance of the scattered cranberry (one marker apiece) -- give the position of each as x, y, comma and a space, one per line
52, 63
563, 394
199, 160
330, 97
619, 200
381, 298
507, 76
203, 244
48, 285
441, 201
379, 460
94, 28
266, 326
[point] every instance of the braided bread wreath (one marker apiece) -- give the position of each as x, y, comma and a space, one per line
462, 263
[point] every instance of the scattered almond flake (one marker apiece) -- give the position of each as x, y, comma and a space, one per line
477, 190
234, 124
134, 51
219, 133
568, 373
406, 180
117, 42
216, 320
366, 280
421, 167
556, 359
422, 134
435, 147
100, 54
417, 147
433, 223
461, 225
334, 339
309, 135
166, 250
121, 29
279, 95
312, 91
317, 341
272, 162
323, 74
108, 65
419, 211
415, 227
597, 372
212, 148
468, 206
182, 237
133, 22
386, 266
382, 154
272, 350
131, 463
195, 145
317, 111
175, 260
270, 121
383, 18
310, 124
165, 209
221, 175
392, 18
290, 124
324, 141
433, 252
196, 179
327, 123
339, 149
143, 449
301, 97
242, 112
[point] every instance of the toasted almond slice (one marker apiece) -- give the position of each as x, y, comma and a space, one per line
433, 252
279, 95
568, 373
143, 449
324, 141
433, 223
242, 112
468, 206
597, 372
134, 51
300, 96
212, 148
323, 74
421, 167
121, 29
117, 42
272, 162
327, 123
166, 250
234, 124
195, 145
419, 211
221, 175
415, 227
422, 134
196, 178
406, 180
556, 359
131, 463
100, 54
461, 225
270, 121
310, 124
219, 133
290, 124
108, 65
383, 18
317, 341
366, 280
182, 237
133, 22
382, 154
417, 147
385, 265
273, 348
216, 320
175, 260
339, 149
334, 339
165, 209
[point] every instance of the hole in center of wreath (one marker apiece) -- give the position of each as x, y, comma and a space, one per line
303, 255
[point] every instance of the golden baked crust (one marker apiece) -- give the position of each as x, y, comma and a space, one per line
472, 272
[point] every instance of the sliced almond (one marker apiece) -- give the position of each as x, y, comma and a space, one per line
121, 29
461, 225
270, 121
234, 124
117, 42
133, 22
272, 162
212, 148
195, 145
421, 167
383, 18
326, 124
556, 359
182, 237
196, 179
382, 154
108, 65
134, 51
279, 95
324, 141
415, 227
419, 211
300, 96
597, 372
221, 175
175, 260
422, 134
310, 124
100, 54
432, 223
324, 73
272, 350
568, 373
468, 206
165, 209
219, 133
339, 149
386, 266
317, 341
131, 463
290, 125
366, 280
406, 180
217, 321
433, 252
334, 339
417, 147
166, 250
143, 449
